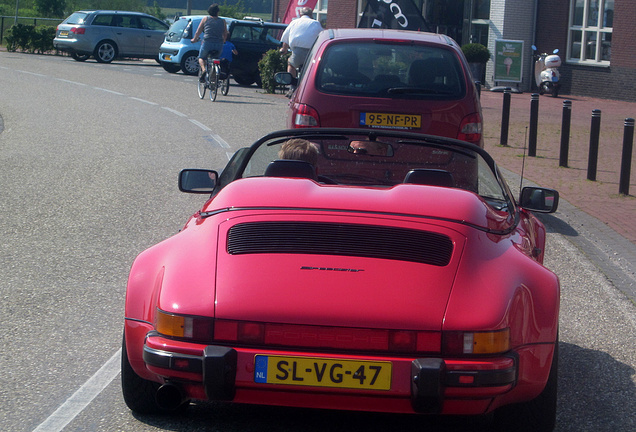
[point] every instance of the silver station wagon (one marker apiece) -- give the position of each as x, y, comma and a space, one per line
107, 35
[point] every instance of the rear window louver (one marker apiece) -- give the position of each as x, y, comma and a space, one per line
340, 239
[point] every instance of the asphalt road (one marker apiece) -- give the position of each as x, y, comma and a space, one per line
90, 155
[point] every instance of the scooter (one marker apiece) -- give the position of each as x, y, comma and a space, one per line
546, 72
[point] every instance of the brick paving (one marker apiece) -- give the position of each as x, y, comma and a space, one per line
600, 198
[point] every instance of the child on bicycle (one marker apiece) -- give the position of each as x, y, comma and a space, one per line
228, 51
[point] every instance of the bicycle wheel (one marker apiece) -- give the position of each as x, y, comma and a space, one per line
202, 85
214, 82
225, 85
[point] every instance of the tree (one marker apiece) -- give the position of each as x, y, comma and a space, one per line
50, 8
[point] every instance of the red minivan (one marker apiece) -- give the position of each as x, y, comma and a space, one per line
388, 79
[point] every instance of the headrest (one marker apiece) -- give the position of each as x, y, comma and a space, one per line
430, 177
290, 168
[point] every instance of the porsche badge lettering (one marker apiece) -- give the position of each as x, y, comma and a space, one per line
332, 269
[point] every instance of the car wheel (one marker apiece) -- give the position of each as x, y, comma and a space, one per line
537, 415
105, 51
80, 57
170, 67
139, 394
190, 63
243, 80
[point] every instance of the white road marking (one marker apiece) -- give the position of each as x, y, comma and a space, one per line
201, 125
173, 111
143, 100
108, 91
82, 397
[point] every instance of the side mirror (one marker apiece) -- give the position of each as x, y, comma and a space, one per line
285, 78
197, 181
539, 200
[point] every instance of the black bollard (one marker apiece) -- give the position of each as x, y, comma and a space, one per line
595, 130
626, 161
565, 133
505, 117
534, 120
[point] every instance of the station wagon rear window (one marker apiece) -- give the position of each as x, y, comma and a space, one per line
77, 18
391, 70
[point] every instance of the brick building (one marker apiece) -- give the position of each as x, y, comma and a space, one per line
575, 27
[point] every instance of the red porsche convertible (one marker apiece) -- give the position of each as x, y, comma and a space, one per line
350, 269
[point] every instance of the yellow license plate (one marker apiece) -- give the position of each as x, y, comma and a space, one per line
400, 121
167, 57
63, 33
322, 372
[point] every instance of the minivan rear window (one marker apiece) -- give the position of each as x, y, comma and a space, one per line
77, 18
391, 70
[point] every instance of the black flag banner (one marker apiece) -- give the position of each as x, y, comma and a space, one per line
393, 14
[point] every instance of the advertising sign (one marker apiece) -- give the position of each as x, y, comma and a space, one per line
508, 60
294, 7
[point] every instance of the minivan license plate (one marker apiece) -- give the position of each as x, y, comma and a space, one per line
322, 372
399, 121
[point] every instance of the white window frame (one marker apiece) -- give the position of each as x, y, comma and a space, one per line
320, 11
596, 32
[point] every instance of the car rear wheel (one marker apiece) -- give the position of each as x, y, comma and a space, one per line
170, 67
80, 57
105, 51
244, 80
537, 415
139, 394
190, 63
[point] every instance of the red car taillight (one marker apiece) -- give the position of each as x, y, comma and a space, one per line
316, 337
305, 116
78, 30
473, 343
470, 129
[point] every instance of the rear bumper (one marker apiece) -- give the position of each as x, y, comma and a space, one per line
418, 385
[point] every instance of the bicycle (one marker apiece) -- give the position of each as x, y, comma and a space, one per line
211, 81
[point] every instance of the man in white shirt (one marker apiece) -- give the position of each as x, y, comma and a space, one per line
299, 36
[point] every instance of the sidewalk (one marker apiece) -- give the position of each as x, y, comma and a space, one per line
599, 198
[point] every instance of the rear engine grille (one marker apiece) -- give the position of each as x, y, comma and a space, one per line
340, 239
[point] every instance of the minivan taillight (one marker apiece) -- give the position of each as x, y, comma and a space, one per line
470, 129
78, 30
305, 116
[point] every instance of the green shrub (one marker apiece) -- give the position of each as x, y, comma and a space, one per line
273, 61
19, 36
476, 53
43, 39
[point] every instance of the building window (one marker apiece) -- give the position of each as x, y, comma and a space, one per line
590, 31
320, 12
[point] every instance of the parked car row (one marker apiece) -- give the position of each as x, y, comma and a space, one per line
251, 37
107, 35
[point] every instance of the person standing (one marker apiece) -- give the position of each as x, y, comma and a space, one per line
299, 36
214, 32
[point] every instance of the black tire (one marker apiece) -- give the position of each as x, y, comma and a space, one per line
545, 88
243, 80
202, 86
80, 57
139, 394
555, 91
225, 86
170, 67
105, 51
537, 415
214, 82
190, 63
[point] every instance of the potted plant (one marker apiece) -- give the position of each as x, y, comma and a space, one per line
477, 56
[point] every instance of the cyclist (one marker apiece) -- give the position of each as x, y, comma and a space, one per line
214, 32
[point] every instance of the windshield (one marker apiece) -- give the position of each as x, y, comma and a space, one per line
175, 33
387, 161
390, 70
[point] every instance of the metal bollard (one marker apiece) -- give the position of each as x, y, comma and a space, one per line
626, 160
595, 130
534, 120
505, 117
565, 133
